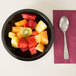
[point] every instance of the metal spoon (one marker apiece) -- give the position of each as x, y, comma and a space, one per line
64, 25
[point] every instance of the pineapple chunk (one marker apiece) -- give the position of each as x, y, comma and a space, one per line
40, 47
41, 26
44, 38
14, 42
19, 35
38, 38
16, 29
11, 34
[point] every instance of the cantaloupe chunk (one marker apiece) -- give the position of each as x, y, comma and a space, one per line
44, 38
38, 38
20, 23
19, 35
16, 29
40, 47
41, 26
11, 34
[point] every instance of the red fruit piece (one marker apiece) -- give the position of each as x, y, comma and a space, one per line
24, 49
32, 17
34, 33
33, 50
25, 16
31, 24
32, 41
29, 17
25, 24
23, 43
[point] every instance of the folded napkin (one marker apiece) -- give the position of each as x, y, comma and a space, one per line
59, 37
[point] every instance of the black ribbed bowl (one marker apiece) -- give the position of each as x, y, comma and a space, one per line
26, 56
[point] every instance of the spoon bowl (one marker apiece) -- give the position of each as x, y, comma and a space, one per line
64, 23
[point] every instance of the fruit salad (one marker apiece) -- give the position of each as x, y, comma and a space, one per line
27, 34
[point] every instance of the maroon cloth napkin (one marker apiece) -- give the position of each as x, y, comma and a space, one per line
59, 37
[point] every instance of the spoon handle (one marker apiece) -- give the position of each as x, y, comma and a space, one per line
66, 54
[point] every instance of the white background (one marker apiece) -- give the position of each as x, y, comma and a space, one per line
44, 66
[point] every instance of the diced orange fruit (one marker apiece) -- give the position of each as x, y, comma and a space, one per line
38, 38
20, 23
19, 35
40, 47
44, 38
16, 29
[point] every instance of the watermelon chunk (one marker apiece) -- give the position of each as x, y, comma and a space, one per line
32, 41
31, 24
23, 43
24, 49
29, 16
33, 50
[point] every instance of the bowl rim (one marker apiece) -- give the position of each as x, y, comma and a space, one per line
50, 43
